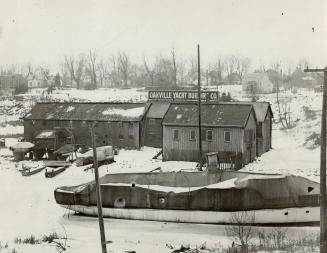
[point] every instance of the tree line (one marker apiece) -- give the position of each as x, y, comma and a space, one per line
92, 70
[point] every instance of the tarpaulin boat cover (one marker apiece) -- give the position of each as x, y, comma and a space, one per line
227, 191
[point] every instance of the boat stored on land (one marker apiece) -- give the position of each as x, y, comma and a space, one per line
199, 197
28, 171
52, 172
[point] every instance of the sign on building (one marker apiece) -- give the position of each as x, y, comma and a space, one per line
176, 95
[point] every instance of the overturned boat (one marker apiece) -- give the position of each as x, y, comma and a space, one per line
221, 197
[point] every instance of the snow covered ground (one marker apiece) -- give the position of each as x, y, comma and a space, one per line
27, 204
28, 207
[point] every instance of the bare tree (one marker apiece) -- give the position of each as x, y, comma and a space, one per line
230, 65
113, 70
150, 70
242, 67
174, 67
75, 68
92, 68
192, 70
242, 231
123, 67
219, 67
102, 68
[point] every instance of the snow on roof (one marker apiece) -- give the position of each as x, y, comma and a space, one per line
219, 114
88, 111
134, 112
70, 108
45, 134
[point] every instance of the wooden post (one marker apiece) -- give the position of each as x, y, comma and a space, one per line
323, 218
199, 108
98, 192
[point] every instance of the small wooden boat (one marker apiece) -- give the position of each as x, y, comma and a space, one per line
52, 172
31, 171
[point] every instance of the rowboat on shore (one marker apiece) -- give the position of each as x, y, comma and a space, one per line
28, 171
54, 171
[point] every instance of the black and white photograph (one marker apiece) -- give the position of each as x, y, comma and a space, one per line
136, 126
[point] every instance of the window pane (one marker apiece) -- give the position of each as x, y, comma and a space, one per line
175, 133
192, 135
227, 136
209, 135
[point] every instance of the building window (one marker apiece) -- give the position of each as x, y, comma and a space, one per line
227, 136
44, 122
175, 134
120, 124
70, 123
121, 136
209, 135
192, 135
69, 140
130, 125
152, 122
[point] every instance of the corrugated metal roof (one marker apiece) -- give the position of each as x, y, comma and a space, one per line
158, 110
229, 115
88, 111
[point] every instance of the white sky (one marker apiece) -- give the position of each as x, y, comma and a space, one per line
42, 31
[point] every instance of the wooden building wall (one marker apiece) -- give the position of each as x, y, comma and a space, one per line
188, 150
249, 140
153, 133
264, 135
117, 134
266, 131
185, 149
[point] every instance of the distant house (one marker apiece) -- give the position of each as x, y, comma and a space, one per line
117, 124
37, 80
226, 129
257, 83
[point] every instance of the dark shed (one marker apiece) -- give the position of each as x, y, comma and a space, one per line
118, 124
153, 126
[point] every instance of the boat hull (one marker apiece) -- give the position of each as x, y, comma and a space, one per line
286, 216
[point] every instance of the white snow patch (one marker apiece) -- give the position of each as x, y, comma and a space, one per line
133, 112
70, 108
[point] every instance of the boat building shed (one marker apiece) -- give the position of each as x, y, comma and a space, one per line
153, 123
264, 116
225, 128
116, 124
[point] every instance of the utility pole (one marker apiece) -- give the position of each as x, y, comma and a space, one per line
98, 192
323, 217
199, 108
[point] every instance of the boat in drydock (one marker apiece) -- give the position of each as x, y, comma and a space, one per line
199, 197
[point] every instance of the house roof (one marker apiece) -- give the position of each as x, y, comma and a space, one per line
88, 111
212, 114
260, 108
158, 110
